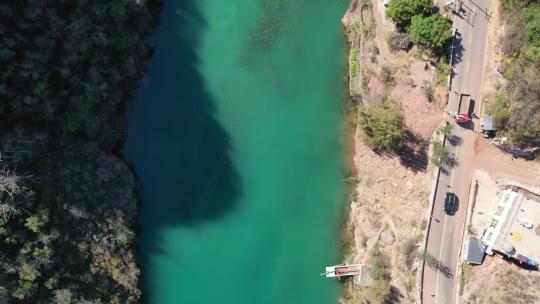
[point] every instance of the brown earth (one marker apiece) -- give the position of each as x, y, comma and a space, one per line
390, 205
391, 198
497, 281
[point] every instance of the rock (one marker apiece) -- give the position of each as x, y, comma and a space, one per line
387, 237
409, 185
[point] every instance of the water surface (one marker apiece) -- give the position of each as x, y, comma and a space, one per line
236, 139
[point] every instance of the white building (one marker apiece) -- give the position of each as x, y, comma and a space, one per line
511, 228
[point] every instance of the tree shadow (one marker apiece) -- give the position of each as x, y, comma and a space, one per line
413, 153
444, 170
394, 296
445, 270
180, 153
466, 13
454, 140
450, 162
457, 56
447, 164
439, 266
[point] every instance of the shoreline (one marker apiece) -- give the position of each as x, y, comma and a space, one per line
378, 183
346, 237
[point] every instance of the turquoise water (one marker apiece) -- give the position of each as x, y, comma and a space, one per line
236, 137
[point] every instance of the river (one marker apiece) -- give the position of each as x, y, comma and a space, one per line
236, 136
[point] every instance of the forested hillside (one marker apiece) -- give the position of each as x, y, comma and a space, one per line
67, 202
516, 108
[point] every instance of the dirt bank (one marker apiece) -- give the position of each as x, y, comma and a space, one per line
391, 193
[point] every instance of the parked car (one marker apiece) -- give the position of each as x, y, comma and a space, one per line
450, 203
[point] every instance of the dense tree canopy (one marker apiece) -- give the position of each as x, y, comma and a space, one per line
531, 18
430, 32
67, 204
516, 108
402, 11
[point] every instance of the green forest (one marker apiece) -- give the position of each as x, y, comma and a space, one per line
67, 199
516, 107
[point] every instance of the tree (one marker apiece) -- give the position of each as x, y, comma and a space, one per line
498, 109
401, 11
68, 72
440, 154
531, 16
383, 126
430, 260
446, 129
62, 296
430, 32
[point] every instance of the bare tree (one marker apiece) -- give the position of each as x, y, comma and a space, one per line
10, 182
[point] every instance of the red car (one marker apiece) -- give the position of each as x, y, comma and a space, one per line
462, 118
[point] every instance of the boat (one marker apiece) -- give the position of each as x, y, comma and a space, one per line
342, 270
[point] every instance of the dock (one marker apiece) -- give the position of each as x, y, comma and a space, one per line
342, 270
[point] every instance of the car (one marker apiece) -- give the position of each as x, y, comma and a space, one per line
450, 203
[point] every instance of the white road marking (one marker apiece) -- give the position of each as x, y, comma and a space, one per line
438, 270
454, 171
444, 228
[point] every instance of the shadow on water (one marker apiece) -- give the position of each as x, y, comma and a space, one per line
180, 152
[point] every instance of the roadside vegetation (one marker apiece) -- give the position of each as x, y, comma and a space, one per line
427, 29
430, 33
464, 277
402, 11
516, 107
440, 154
67, 203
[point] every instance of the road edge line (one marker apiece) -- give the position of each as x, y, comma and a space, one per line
432, 197
468, 217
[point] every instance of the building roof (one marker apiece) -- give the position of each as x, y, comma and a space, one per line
486, 123
512, 228
501, 220
475, 251
522, 234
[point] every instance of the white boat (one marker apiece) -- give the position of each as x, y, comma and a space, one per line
342, 270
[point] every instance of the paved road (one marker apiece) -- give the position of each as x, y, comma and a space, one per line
444, 240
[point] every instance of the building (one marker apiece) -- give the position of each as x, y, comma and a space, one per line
511, 230
475, 250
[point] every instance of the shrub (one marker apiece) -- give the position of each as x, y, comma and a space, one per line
387, 75
409, 251
400, 41
354, 63
442, 70
380, 289
446, 129
428, 90
383, 126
